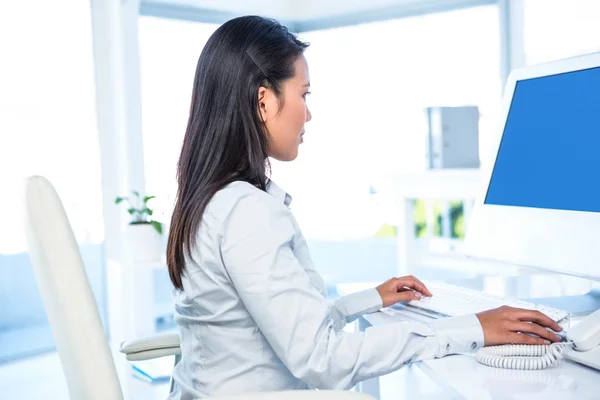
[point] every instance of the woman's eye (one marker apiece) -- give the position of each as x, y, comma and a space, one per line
305, 94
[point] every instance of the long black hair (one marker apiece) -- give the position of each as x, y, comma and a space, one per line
225, 139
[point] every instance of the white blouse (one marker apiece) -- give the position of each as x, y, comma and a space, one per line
253, 315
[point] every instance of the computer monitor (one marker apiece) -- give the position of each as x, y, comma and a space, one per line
539, 205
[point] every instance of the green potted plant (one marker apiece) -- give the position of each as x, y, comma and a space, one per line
143, 233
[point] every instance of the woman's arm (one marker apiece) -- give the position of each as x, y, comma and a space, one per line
347, 308
295, 318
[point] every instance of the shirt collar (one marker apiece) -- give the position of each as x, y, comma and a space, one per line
278, 193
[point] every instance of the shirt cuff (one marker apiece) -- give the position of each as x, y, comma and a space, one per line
462, 334
359, 303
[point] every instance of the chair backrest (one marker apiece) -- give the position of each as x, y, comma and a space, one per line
78, 333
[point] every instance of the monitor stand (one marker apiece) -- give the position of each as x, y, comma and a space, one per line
579, 305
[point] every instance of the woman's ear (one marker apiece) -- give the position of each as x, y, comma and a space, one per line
262, 103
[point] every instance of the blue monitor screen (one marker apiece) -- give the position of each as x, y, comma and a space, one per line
549, 156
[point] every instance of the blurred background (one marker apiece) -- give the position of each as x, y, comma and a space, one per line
95, 96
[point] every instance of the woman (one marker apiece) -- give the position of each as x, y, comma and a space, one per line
250, 306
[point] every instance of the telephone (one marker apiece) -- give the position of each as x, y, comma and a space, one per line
582, 346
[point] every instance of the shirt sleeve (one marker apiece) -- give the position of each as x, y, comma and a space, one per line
257, 251
347, 308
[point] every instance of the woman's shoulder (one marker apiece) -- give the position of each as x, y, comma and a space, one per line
236, 195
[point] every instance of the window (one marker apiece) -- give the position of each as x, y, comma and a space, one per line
556, 29
47, 127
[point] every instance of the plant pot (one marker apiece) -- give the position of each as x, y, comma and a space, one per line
143, 243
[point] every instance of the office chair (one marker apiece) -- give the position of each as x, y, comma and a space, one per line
73, 315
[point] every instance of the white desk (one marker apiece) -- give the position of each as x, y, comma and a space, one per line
462, 377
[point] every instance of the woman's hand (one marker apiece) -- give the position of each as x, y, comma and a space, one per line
508, 325
402, 289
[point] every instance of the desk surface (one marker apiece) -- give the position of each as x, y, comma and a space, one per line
462, 377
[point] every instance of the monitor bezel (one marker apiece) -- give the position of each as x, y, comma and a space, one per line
553, 240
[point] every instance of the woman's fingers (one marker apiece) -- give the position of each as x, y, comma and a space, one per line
398, 290
412, 283
538, 318
528, 327
519, 338
406, 296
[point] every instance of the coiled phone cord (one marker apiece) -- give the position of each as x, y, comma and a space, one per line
521, 356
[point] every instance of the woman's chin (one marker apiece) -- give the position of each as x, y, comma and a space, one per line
289, 156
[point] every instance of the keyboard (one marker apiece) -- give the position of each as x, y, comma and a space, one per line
452, 301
